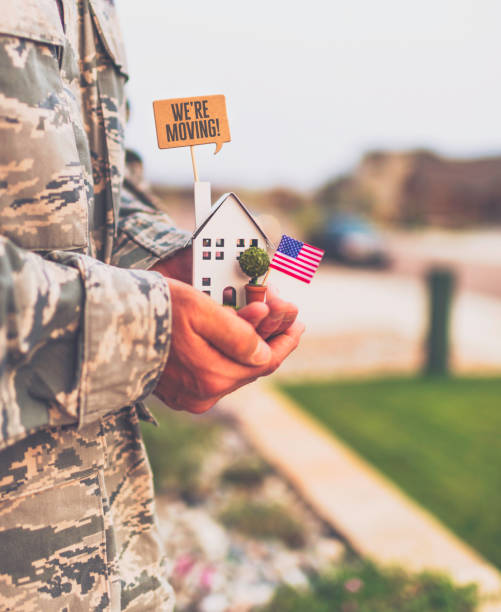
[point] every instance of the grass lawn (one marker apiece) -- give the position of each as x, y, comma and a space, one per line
439, 440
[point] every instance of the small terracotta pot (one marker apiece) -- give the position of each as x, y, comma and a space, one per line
255, 293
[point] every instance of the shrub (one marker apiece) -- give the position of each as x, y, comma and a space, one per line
364, 587
254, 263
264, 521
246, 472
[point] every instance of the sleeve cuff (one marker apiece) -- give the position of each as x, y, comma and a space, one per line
147, 237
126, 335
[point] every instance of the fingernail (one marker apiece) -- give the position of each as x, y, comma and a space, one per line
261, 355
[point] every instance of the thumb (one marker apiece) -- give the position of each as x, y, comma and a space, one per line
232, 335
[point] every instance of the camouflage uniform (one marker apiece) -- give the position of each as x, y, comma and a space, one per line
83, 339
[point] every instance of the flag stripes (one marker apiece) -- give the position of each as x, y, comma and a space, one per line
294, 262
297, 259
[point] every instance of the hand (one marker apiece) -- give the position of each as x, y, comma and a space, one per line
214, 351
178, 266
281, 314
280, 317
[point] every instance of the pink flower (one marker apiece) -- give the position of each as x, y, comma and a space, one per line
353, 585
207, 576
183, 565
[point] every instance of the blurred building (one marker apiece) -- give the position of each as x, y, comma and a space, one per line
423, 188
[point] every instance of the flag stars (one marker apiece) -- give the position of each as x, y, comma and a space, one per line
289, 246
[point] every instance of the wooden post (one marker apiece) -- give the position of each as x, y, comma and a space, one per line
194, 163
440, 290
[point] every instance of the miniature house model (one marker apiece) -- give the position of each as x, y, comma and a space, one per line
222, 233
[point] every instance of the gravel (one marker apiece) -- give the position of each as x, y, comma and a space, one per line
214, 569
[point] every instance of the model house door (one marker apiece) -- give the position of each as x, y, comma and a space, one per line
229, 296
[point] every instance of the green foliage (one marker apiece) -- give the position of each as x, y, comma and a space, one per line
436, 438
284, 199
254, 263
344, 195
264, 521
176, 449
363, 587
246, 472
308, 219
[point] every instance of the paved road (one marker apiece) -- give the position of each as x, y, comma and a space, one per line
475, 257
362, 322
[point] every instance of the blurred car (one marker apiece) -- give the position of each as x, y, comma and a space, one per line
352, 241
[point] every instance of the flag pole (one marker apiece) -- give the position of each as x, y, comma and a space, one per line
194, 163
266, 276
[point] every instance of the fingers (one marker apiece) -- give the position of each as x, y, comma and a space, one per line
254, 313
217, 373
214, 351
216, 376
232, 335
283, 345
220, 375
282, 316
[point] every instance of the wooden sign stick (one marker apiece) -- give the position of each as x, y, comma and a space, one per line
194, 163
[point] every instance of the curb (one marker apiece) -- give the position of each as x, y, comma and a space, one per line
376, 517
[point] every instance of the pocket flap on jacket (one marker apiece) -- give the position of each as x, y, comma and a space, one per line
34, 19
107, 23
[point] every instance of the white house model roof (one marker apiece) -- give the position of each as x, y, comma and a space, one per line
217, 205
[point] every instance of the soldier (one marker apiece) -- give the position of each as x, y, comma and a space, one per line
94, 315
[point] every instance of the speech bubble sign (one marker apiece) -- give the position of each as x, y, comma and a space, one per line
183, 122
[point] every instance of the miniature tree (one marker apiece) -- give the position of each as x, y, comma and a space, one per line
254, 263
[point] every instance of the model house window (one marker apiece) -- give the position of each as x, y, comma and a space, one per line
220, 242
219, 254
207, 292
206, 282
206, 242
254, 242
240, 242
206, 255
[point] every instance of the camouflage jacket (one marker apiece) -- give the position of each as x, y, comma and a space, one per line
83, 337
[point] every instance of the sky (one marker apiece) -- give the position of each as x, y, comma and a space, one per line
311, 86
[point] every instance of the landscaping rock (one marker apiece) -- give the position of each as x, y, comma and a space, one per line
215, 569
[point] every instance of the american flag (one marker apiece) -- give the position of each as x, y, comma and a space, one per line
296, 259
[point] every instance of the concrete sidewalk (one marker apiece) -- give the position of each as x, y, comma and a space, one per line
375, 516
362, 322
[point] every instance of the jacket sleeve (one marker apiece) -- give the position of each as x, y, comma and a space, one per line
78, 338
145, 234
